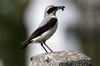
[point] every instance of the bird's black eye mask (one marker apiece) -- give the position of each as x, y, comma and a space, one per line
51, 10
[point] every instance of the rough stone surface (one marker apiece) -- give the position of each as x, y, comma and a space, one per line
62, 58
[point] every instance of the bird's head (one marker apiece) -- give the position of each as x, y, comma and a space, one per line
51, 9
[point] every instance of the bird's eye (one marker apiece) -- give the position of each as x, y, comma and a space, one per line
50, 10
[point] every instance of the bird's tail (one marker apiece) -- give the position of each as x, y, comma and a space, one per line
25, 43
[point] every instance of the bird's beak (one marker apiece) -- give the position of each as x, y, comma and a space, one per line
61, 7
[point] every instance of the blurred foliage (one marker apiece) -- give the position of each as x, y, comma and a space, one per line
12, 32
88, 29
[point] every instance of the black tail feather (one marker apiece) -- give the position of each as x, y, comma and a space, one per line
25, 44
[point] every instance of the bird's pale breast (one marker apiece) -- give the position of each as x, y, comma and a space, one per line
46, 35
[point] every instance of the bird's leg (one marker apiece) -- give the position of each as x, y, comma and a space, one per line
47, 47
44, 47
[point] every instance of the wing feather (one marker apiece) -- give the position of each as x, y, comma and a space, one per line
39, 31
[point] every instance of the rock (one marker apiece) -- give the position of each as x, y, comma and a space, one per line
62, 58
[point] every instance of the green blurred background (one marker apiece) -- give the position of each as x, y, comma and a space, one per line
13, 30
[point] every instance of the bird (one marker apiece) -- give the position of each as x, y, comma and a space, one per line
46, 29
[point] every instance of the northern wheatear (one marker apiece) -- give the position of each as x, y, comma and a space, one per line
46, 29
